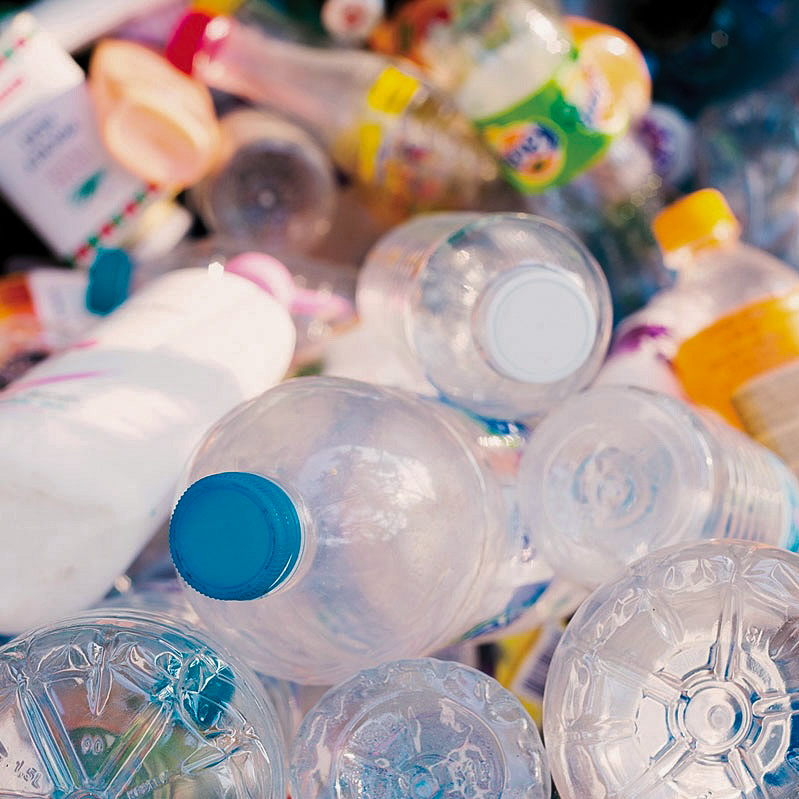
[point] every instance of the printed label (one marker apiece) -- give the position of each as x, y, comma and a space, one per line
716, 363
387, 99
523, 665
552, 135
56, 170
767, 406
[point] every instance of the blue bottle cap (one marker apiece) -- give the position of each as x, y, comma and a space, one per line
235, 535
109, 281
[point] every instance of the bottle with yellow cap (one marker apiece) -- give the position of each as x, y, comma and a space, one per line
730, 324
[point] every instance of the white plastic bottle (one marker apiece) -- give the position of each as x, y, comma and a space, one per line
329, 525
94, 439
678, 679
130, 702
505, 314
56, 172
617, 471
416, 729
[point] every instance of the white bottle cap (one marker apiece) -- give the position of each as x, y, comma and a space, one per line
350, 21
536, 324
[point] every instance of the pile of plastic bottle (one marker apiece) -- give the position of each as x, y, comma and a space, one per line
400, 399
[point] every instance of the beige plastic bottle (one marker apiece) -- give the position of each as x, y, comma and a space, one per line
157, 122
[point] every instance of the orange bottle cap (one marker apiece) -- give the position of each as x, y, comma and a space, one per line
698, 218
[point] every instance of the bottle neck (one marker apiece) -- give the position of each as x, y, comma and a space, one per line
322, 89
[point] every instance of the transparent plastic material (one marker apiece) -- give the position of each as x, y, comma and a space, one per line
610, 206
505, 314
166, 598
678, 680
383, 123
132, 703
749, 150
417, 729
272, 185
400, 532
616, 472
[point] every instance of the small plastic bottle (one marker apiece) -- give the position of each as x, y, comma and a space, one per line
383, 125
272, 184
548, 95
615, 472
128, 702
94, 438
505, 314
732, 320
677, 679
749, 150
375, 530
416, 729
157, 122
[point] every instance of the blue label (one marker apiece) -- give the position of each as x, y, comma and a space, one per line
521, 601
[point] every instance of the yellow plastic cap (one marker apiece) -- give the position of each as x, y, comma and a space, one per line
698, 218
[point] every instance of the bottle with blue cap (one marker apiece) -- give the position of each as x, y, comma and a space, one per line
129, 702
419, 729
329, 525
504, 313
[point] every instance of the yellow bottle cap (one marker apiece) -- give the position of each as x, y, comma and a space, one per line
698, 218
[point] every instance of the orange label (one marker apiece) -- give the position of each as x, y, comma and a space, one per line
749, 342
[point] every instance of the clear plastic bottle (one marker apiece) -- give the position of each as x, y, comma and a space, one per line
272, 185
617, 471
124, 702
505, 314
332, 549
677, 680
731, 320
416, 729
383, 124
93, 439
749, 150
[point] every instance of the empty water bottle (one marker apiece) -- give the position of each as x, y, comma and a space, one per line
329, 525
505, 314
417, 729
749, 150
273, 184
131, 703
678, 679
617, 471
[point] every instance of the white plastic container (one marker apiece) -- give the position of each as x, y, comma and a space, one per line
56, 171
93, 440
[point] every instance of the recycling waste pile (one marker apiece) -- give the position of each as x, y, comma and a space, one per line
399, 399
